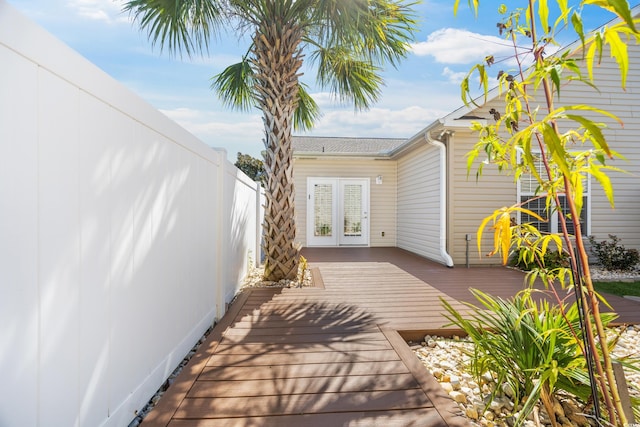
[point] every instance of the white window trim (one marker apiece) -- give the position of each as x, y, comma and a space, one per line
553, 219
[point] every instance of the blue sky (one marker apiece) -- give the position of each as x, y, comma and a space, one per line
423, 88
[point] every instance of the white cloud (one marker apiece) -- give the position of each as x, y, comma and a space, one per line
108, 11
377, 122
223, 129
454, 76
244, 132
456, 46
324, 99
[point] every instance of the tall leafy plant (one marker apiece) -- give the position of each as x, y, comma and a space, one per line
567, 140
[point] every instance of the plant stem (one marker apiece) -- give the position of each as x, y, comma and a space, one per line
614, 408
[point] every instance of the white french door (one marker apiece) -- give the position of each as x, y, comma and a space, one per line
337, 211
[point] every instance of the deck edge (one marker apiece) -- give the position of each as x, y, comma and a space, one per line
444, 405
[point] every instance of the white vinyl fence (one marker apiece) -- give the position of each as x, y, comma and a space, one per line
122, 237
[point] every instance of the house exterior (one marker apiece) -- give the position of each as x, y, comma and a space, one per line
417, 192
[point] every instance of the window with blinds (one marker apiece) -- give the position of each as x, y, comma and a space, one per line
323, 210
352, 203
527, 187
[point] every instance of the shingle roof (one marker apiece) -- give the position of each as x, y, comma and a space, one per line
347, 146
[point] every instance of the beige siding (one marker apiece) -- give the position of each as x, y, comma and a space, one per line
419, 202
382, 198
624, 219
471, 200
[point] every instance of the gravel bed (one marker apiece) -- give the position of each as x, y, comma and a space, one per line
254, 280
447, 359
598, 274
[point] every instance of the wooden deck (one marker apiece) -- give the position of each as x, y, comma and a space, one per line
332, 356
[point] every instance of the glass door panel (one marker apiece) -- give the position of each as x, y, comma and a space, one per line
337, 211
353, 212
352, 203
321, 212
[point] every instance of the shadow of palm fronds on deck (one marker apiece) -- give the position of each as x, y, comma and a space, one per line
291, 358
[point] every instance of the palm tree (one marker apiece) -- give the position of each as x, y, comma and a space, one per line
348, 42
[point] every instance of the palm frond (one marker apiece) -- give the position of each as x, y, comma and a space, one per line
236, 85
379, 31
181, 26
307, 111
351, 79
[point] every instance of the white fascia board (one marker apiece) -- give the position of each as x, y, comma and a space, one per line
321, 155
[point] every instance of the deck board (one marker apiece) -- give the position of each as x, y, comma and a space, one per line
276, 358
316, 370
332, 356
291, 404
415, 417
333, 384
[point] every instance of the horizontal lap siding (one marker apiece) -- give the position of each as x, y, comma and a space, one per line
624, 219
471, 200
419, 201
382, 198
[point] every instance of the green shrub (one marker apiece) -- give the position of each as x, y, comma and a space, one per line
612, 255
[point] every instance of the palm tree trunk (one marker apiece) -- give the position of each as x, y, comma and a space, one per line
277, 58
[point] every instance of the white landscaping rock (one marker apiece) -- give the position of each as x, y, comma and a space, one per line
447, 387
472, 413
458, 397
455, 382
447, 360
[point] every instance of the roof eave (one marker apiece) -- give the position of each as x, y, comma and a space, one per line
444, 124
317, 154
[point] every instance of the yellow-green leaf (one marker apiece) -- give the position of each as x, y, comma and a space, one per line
576, 21
564, 5
577, 196
556, 148
528, 212
503, 235
543, 13
594, 47
619, 7
603, 179
619, 52
481, 228
546, 240
484, 80
594, 130
560, 112
464, 90
473, 4
471, 157
555, 77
